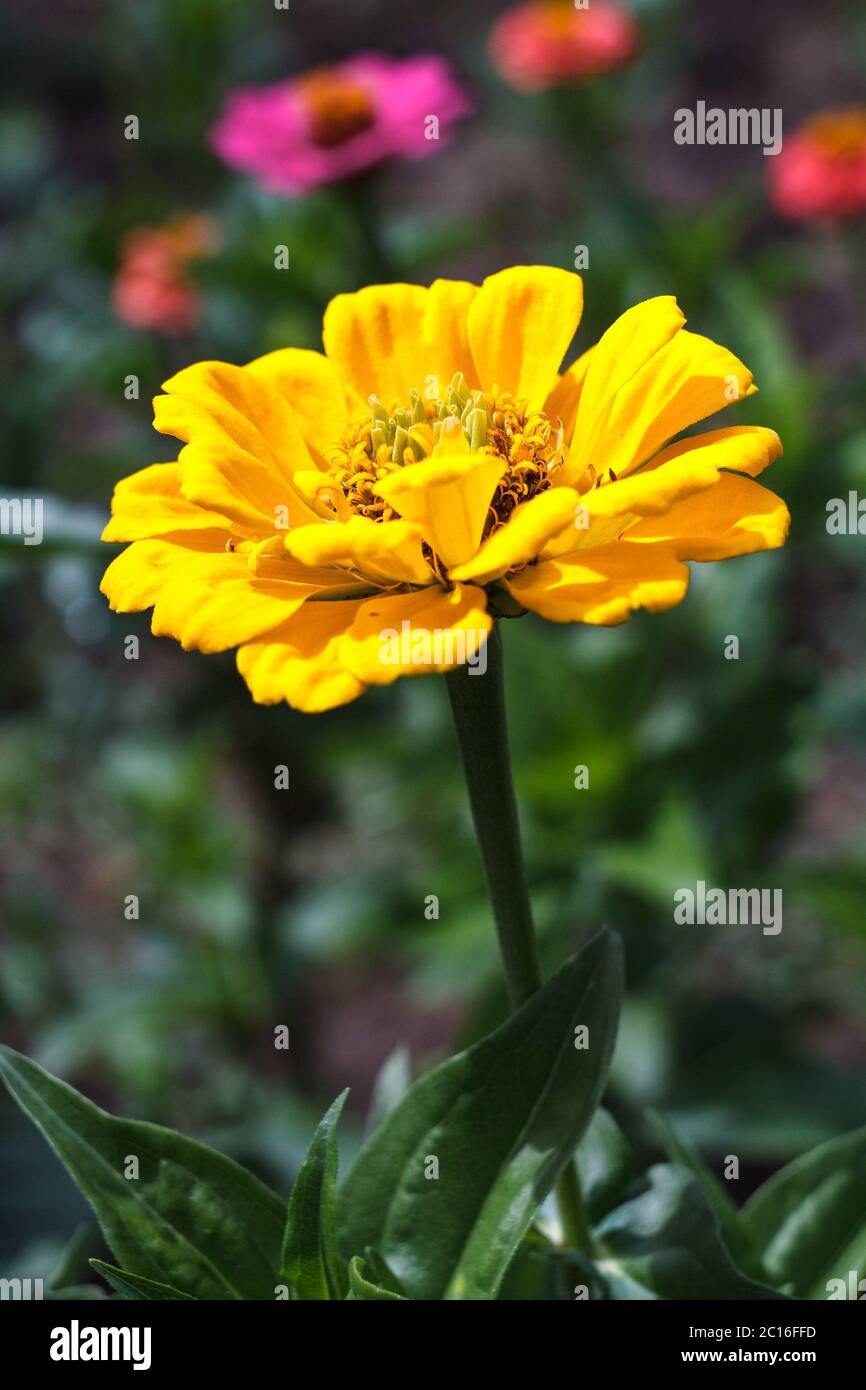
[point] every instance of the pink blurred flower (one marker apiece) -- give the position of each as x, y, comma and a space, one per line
821, 170
336, 121
151, 289
547, 42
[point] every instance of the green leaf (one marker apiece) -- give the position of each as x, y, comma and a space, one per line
193, 1218
73, 1263
135, 1286
361, 1288
501, 1119
542, 1271
665, 1244
378, 1271
809, 1219
732, 1227
604, 1164
310, 1263
392, 1082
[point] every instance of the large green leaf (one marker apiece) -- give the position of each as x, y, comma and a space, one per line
193, 1218
310, 1264
809, 1219
501, 1120
665, 1244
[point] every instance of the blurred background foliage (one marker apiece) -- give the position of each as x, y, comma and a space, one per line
156, 777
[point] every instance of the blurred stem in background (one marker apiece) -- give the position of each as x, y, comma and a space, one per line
478, 705
361, 202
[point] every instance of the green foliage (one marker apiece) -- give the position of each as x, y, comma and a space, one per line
190, 1217
498, 1121
155, 776
360, 1288
664, 1242
503, 1118
809, 1219
310, 1264
137, 1288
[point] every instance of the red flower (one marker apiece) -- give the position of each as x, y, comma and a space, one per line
547, 42
821, 171
151, 288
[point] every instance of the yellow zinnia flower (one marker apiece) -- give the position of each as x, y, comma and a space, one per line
432, 470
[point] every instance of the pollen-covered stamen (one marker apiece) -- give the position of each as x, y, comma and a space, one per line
529, 444
356, 466
533, 449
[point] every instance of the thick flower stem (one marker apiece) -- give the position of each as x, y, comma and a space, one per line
478, 705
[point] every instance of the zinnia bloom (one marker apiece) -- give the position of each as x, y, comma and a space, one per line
550, 41
152, 289
821, 170
337, 121
433, 469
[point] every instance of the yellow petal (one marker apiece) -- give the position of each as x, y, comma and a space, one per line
734, 517
298, 661
561, 405
387, 338
520, 326
135, 579
686, 381
628, 346
447, 496
603, 586
523, 536
149, 503
387, 551
654, 490
605, 513
244, 442
214, 602
315, 391
743, 448
416, 633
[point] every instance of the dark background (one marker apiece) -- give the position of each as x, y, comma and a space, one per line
155, 777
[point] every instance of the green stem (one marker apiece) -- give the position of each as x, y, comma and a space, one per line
572, 1213
360, 195
478, 706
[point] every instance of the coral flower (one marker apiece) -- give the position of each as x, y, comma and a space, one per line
337, 121
551, 41
151, 289
821, 171
431, 470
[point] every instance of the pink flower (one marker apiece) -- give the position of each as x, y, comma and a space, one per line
151, 289
821, 170
333, 122
547, 42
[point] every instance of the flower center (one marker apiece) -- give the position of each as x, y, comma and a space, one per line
529, 444
337, 107
840, 134
557, 21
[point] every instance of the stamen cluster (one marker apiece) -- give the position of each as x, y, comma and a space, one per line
528, 443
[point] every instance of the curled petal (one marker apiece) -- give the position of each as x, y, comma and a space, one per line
416, 633
603, 586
